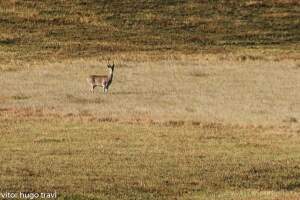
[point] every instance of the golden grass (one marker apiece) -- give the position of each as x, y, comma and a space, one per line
192, 127
108, 160
204, 103
249, 195
249, 91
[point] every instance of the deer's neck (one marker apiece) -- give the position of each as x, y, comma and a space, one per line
110, 75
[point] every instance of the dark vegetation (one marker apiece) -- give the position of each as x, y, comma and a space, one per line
56, 29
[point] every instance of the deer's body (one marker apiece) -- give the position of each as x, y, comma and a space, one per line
101, 80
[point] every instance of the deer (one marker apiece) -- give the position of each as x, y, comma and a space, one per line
102, 80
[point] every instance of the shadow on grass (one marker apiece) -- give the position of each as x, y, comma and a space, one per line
7, 42
139, 93
20, 97
80, 100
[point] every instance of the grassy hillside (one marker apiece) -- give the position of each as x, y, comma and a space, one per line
55, 29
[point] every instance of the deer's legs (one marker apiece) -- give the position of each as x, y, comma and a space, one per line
92, 88
104, 89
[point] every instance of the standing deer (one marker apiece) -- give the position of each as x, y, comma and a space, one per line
102, 80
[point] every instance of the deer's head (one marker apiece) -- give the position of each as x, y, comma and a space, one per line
111, 66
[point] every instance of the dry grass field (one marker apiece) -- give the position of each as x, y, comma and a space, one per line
188, 89
188, 128
204, 103
66, 29
105, 160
